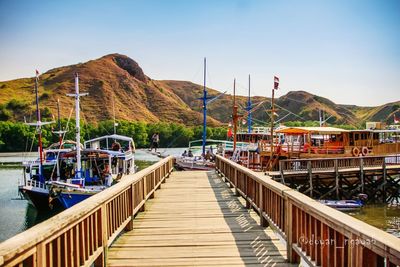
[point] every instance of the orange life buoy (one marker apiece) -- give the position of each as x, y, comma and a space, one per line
364, 150
355, 151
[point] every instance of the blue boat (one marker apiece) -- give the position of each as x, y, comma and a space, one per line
346, 205
104, 161
97, 166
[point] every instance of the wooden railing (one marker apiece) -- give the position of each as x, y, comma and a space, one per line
296, 165
81, 235
320, 235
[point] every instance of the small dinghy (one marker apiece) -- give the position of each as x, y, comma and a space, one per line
346, 205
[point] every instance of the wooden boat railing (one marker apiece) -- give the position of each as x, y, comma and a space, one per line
331, 164
318, 234
81, 235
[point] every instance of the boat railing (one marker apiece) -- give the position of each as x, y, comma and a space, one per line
32, 183
318, 234
81, 235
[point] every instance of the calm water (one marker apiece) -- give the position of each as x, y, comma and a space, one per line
16, 215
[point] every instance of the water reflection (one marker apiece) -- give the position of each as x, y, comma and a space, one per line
33, 217
382, 216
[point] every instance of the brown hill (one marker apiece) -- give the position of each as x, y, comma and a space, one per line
112, 77
118, 79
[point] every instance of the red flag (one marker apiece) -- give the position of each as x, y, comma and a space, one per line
395, 120
276, 83
229, 134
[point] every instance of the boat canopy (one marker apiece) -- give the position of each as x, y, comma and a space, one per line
114, 137
312, 130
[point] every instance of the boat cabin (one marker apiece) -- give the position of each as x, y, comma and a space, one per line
320, 141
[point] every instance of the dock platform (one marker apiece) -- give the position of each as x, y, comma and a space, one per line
195, 220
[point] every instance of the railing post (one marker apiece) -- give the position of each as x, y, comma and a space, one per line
246, 190
143, 190
152, 178
101, 261
129, 226
235, 179
290, 231
40, 254
263, 221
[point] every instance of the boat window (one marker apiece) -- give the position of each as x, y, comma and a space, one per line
356, 136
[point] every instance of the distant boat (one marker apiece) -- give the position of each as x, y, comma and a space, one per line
346, 205
201, 160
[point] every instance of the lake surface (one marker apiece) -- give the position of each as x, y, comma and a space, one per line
16, 215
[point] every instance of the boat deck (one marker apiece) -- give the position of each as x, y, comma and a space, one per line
195, 219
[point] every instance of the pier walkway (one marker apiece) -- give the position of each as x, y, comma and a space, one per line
195, 220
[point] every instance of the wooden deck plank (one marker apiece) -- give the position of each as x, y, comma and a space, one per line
195, 219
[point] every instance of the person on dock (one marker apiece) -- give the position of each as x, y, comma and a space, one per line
155, 139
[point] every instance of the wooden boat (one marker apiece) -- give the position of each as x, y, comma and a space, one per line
309, 142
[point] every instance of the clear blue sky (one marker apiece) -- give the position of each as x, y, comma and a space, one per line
345, 50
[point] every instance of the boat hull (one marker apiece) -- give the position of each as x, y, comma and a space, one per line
39, 199
193, 164
69, 199
343, 205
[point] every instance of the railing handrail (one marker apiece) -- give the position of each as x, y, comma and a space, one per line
71, 216
378, 240
339, 158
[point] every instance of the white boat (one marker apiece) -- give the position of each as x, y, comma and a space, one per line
104, 161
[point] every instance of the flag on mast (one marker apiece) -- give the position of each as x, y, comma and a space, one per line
276, 83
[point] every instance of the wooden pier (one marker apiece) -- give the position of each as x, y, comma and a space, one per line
237, 217
343, 178
196, 220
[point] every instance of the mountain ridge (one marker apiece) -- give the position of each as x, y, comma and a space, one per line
118, 82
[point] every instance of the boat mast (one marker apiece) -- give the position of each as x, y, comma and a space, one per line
276, 85
235, 115
77, 95
60, 131
39, 127
204, 111
249, 111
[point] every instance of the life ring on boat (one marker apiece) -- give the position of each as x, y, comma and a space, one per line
364, 151
355, 151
